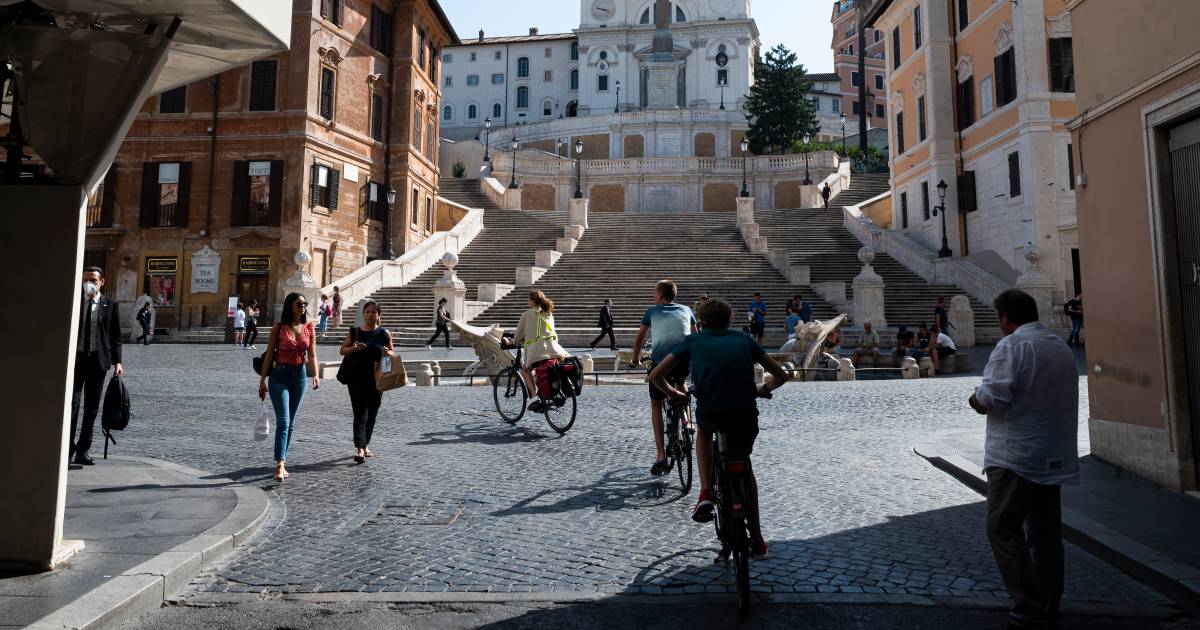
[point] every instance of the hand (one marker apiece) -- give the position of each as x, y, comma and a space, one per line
636, 362
118, 370
763, 391
262, 389
977, 406
676, 395
358, 346
316, 382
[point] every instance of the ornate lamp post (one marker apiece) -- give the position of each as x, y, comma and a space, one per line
487, 143
944, 252
391, 201
579, 169
722, 61
617, 107
807, 176
745, 146
512, 183
842, 119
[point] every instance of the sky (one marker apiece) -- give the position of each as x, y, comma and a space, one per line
801, 25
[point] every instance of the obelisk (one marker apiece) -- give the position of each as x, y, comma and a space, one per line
662, 85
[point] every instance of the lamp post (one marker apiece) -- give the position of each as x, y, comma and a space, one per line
842, 119
391, 201
807, 176
617, 107
512, 183
745, 146
723, 82
579, 169
487, 143
944, 252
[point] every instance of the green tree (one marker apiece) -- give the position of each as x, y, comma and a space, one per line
777, 108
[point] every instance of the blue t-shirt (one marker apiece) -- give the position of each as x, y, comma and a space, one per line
760, 315
669, 324
722, 363
789, 325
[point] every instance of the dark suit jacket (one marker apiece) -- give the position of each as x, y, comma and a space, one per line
606, 318
108, 322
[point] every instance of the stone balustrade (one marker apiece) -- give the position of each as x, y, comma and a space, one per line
821, 161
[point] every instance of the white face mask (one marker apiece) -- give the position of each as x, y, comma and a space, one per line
90, 289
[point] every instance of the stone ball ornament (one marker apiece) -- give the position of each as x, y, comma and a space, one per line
1033, 253
302, 258
450, 260
866, 255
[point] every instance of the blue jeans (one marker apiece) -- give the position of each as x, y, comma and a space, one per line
323, 324
1076, 327
286, 385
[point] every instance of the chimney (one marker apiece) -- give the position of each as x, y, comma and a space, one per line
533, 30
481, 35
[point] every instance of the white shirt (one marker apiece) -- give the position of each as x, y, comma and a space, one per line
1031, 390
239, 320
944, 341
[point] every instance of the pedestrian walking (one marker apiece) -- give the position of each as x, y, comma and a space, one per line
337, 306
606, 326
1074, 310
97, 349
825, 195
239, 324
290, 359
363, 347
324, 311
758, 318
144, 317
1030, 395
441, 324
252, 314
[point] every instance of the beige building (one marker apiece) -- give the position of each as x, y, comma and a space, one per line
845, 46
978, 95
1138, 166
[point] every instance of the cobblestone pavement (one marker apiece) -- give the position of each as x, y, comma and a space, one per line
847, 506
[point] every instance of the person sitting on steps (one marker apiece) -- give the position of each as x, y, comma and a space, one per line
868, 347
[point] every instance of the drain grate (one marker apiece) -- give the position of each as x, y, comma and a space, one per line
417, 515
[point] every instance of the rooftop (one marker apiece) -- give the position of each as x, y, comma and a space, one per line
517, 39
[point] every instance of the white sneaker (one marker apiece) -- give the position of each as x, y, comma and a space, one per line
449, 347
254, 347
429, 347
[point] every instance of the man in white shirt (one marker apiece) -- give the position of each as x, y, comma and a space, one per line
1030, 394
943, 346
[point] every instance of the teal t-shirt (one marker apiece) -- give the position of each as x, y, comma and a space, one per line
669, 324
722, 363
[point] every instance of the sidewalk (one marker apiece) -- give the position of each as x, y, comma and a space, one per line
1142, 529
148, 527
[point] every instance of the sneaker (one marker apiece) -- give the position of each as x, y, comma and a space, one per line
660, 468
449, 347
428, 347
703, 512
536, 406
758, 551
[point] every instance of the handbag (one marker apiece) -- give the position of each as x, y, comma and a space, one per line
258, 361
389, 372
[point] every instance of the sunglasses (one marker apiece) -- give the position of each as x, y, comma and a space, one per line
301, 304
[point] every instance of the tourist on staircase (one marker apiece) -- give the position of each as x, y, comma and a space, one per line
758, 318
941, 317
239, 324
606, 326
868, 347
537, 339
667, 323
337, 307
825, 195
441, 323
324, 311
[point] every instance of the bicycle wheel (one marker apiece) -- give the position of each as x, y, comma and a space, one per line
683, 457
508, 390
740, 542
560, 411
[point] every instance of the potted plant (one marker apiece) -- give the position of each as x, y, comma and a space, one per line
459, 168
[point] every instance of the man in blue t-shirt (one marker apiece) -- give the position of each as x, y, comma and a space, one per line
668, 323
722, 363
758, 318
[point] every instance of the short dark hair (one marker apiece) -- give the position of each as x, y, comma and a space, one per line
667, 289
442, 301
94, 268
714, 313
1019, 306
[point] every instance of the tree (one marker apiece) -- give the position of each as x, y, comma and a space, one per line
778, 108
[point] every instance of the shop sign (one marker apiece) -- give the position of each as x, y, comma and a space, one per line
161, 265
206, 271
254, 264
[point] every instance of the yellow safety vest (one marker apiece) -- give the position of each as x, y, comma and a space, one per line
549, 336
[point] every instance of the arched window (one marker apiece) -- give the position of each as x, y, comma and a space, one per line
648, 15
547, 108
472, 112
645, 17
679, 16
497, 112
523, 68
575, 79
447, 113
523, 97
572, 109
574, 51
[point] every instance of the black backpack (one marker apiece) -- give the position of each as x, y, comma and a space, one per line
116, 406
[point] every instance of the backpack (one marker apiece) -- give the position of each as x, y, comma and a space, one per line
570, 375
116, 406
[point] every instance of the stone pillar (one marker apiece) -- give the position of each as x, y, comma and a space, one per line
745, 211
425, 375
589, 364
962, 321
759, 245
451, 288
565, 245
574, 231
909, 368
545, 258
579, 212
845, 370
301, 282
512, 199
868, 293
36, 379
1038, 285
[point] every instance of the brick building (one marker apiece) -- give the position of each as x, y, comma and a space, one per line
301, 149
844, 20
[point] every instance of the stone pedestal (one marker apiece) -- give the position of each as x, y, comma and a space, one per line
962, 322
301, 282
662, 86
546, 258
868, 293
589, 364
810, 197
834, 293
758, 245
527, 276
1038, 285
909, 368
424, 375
574, 231
451, 288
512, 199
745, 211
845, 370
565, 245
493, 292
750, 231
579, 213
802, 275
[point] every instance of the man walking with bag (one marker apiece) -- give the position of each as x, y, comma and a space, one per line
606, 326
1030, 394
97, 349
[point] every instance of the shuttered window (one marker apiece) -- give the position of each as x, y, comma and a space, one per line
964, 18
1062, 65
900, 132
921, 128
1071, 166
1014, 175
381, 32
166, 194
375, 202
916, 27
965, 101
173, 101
377, 117
904, 210
324, 187
896, 47
327, 91
925, 200
262, 85
1006, 77
333, 10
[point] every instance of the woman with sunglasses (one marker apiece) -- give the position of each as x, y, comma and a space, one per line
291, 357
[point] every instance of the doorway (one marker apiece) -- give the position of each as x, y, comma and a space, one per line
256, 287
319, 265
1185, 180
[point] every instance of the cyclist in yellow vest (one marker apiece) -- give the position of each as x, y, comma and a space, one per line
536, 336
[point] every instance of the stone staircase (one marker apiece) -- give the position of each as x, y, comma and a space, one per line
819, 239
622, 256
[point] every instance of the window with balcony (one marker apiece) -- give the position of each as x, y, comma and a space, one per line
257, 193
166, 191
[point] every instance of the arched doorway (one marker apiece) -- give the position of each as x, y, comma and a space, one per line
572, 109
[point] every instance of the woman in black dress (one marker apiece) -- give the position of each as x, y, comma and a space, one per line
361, 350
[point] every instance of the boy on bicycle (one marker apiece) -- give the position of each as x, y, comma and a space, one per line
722, 365
668, 323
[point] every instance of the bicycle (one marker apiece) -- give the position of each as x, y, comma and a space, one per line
678, 431
511, 396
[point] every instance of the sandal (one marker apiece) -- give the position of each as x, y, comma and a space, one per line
367, 453
359, 459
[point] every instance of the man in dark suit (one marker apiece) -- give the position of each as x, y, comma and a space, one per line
98, 349
606, 326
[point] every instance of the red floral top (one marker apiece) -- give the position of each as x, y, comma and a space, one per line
290, 349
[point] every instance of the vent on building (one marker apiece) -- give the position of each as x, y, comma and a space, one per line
533, 30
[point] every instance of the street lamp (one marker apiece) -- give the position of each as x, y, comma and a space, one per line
807, 176
617, 107
391, 201
843, 121
487, 143
579, 169
723, 82
745, 147
944, 252
512, 183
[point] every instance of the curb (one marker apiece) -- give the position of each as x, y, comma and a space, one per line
1179, 581
144, 588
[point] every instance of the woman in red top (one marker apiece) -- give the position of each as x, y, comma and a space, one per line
291, 356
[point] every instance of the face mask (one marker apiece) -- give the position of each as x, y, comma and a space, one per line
90, 289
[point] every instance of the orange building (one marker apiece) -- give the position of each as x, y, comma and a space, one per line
845, 46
